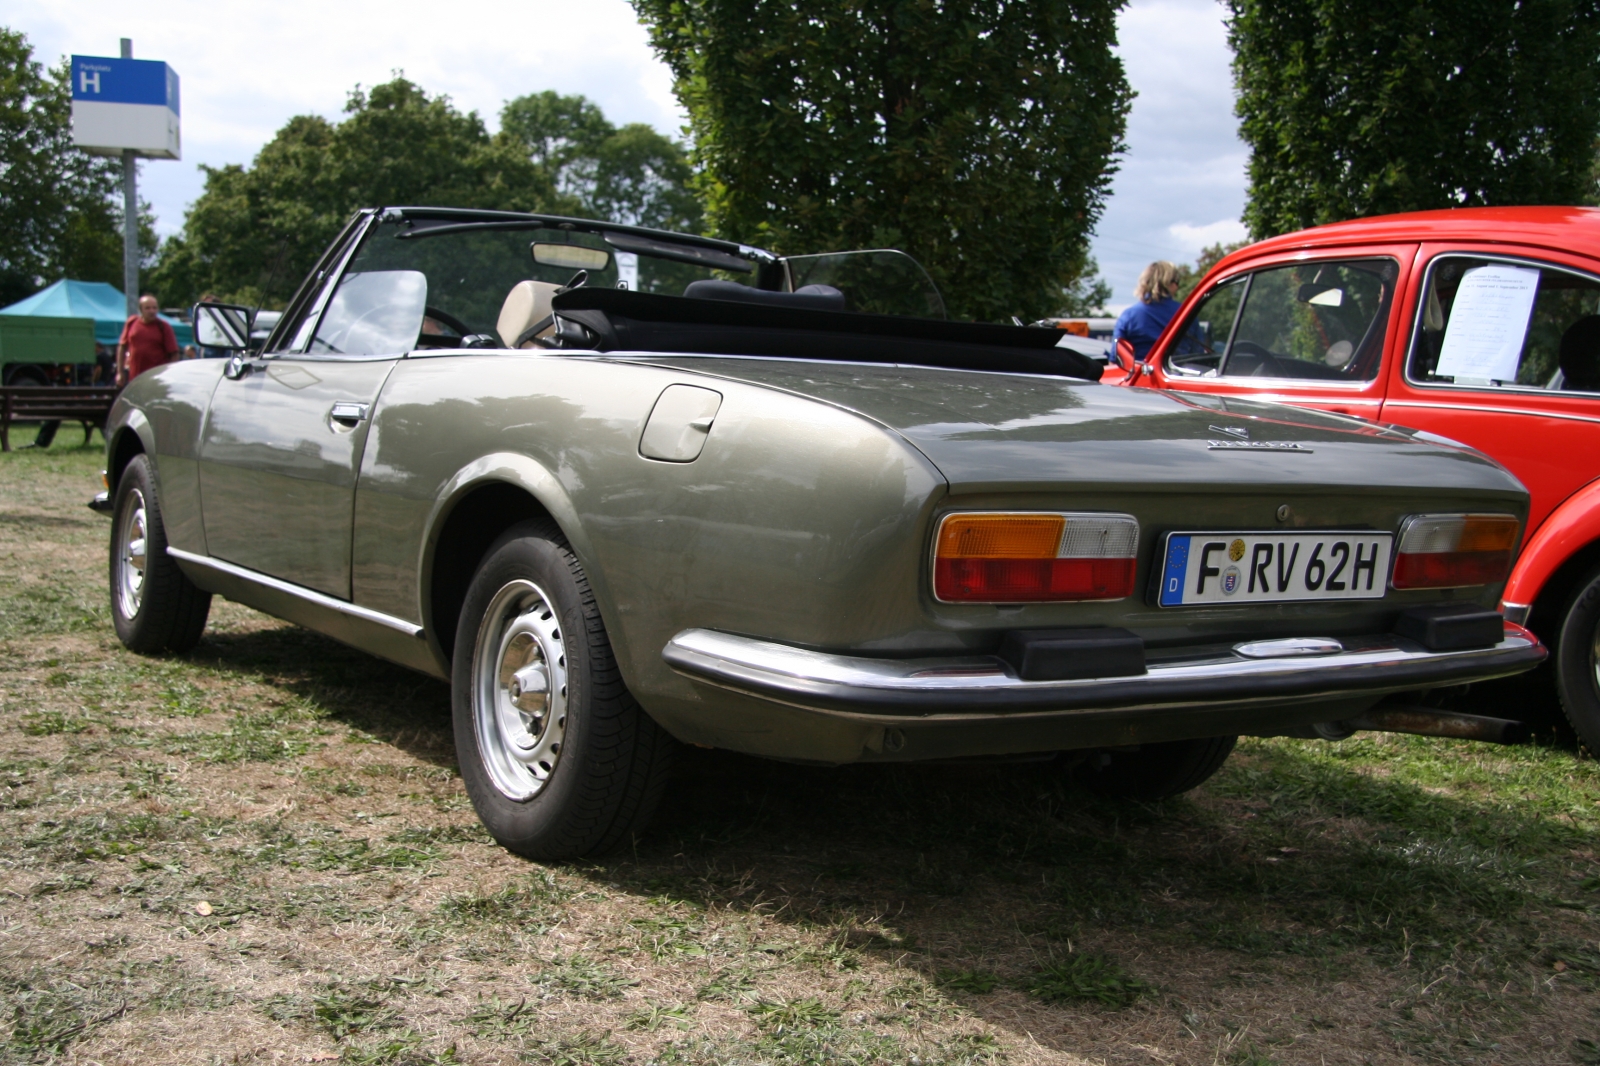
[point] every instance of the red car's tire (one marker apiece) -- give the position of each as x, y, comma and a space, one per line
1577, 665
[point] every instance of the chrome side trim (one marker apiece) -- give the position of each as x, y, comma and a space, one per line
300, 592
984, 686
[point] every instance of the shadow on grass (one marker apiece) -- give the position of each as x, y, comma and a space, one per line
1304, 857
388, 703
1299, 850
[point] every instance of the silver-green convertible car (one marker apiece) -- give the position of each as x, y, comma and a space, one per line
627, 489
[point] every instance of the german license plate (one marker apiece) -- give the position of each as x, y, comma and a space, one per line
1274, 567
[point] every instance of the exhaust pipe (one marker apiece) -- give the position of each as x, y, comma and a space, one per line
1432, 722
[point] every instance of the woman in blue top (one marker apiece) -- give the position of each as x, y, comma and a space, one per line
1141, 325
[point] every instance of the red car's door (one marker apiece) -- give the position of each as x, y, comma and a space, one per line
1304, 327
1502, 352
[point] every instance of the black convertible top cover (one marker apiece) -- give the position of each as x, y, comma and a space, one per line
623, 320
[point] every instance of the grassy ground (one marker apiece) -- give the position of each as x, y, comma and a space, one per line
262, 852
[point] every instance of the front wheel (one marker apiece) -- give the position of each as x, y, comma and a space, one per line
558, 758
1577, 665
154, 607
1156, 771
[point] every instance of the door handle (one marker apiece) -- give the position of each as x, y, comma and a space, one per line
348, 412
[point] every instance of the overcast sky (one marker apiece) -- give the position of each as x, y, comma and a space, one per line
247, 68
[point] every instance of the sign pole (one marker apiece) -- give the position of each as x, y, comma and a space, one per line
130, 216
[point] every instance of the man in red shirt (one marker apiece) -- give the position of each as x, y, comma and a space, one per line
147, 341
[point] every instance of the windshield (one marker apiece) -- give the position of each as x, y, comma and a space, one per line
471, 272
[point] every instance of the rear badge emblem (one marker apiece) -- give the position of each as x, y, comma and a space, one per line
1257, 446
1233, 431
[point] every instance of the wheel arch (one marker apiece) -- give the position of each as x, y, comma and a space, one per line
128, 437
1564, 548
482, 501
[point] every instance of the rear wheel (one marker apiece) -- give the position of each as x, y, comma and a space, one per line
1577, 666
154, 607
558, 758
1155, 771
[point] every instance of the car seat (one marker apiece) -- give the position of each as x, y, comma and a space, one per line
1580, 355
525, 313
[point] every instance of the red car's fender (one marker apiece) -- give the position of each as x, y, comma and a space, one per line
1571, 527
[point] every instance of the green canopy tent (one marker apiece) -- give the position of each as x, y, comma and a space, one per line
93, 300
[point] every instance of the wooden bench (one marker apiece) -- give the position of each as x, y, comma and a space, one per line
88, 404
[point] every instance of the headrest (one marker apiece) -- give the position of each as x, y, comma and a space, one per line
1580, 355
527, 304
809, 297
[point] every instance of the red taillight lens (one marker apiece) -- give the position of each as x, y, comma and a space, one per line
1454, 550
1033, 557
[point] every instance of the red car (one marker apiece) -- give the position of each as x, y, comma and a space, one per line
1479, 324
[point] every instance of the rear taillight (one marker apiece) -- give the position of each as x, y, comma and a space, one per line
1029, 557
1439, 551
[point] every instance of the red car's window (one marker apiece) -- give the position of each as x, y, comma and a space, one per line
1322, 321
1495, 323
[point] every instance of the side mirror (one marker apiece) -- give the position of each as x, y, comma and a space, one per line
223, 326
1122, 355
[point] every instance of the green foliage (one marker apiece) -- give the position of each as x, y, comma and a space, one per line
978, 137
630, 174
1092, 978
255, 231
60, 208
1210, 256
1355, 108
1086, 294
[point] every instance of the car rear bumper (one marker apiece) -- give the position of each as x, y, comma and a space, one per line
983, 687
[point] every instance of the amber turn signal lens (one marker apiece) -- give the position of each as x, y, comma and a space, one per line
1032, 557
1000, 536
1454, 550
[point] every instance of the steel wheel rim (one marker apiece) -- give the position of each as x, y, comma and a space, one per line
131, 541
519, 690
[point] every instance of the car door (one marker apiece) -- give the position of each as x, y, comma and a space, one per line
283, 440
1503, 354
1307, 329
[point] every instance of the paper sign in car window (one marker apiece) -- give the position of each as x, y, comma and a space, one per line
1488, 323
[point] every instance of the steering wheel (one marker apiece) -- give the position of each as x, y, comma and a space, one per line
461, 328
1266, 362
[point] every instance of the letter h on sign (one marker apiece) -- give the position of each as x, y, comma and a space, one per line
88, 81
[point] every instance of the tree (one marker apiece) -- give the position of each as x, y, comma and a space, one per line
976, 135
1365, 107
1210, 256
60, 208
1086, 295
255, 231
630, 174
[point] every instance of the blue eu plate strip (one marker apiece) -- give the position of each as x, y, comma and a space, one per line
1177, 567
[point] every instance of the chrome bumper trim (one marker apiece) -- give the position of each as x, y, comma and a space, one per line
1516, 612
300, 592
983, 685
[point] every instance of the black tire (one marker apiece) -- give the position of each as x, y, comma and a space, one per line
1577, 665
580, 772
1156, 771
156, 608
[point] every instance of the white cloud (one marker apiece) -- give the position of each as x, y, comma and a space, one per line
1195, 238
1184, 159
247, 68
